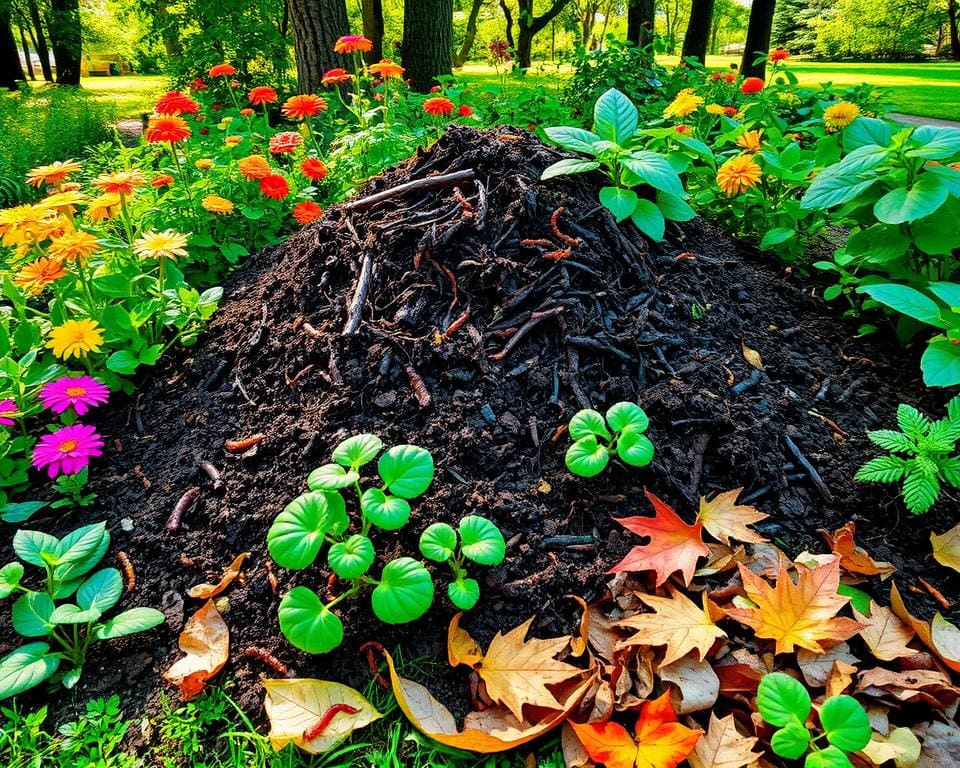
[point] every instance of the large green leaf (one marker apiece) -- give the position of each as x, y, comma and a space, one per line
948, 293
939, 233
129, 622
31, 614
941, 364
101, 591
352, 558
934, 142
635, 448
481, 540
846, 180
674, 207
828, 757
906, 300
903, 205
648, 219
586, 457
846, 723
27, 666
406, 470
626, 414
10, 576
36, 547
81, 550
297, 534
865, 131
72, 614
614, 117
878, 243
588, 422
438, 542
619, 201
331, 477
567, 167
405, 591
655, 170
464, 593
782, 700
307, 623
574, 139
791, 741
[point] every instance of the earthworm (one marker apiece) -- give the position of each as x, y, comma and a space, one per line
244, 443
138, 473
185, 502
563, 253
320, 726
575, 242
420, 390
127, 570
255, 652
369, 647
211, 471
457, 324
464, 203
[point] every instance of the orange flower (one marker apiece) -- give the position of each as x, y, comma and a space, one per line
37, 275
778, 54
119, 182
275, 186
306, 212
438, 105
738, 174
387, 68
750, 141
221, 70
730, 111
76, 244
752, 85
254, 167
353, 44
304, 106
730, 77
681, 128
55, 173
103, 207
313, 169
336, 76
217, 204
203, 164
161, 180
232, 141
172, 128
465, 111
176, 103
262, 94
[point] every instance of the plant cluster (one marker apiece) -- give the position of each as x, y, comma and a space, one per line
596, 439
405, 589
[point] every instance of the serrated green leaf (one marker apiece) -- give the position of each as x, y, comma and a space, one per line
920, 491
891, 440
883, 469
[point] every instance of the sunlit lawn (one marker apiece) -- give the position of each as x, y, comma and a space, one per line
132, 95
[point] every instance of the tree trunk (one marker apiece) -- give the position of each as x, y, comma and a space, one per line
371, 12
169, 29
698, 31
952, 13
427, 37
640, 15
530, 25
66, 39
41, 40
758, 37
317, 25
508, 18
10, 71
26, 54
460, 58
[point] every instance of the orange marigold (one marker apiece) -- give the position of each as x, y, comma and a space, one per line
386, 68
306, 212
750, 141
778, 54
161, 180
37, 275
104, 207
304, 106
76, 245
752, 85
353, 44
254, 167
217, 204
465, 110
262, 94
438, 105
119, 182
172, 128
285, 142
738, 174
313, 169
221, 70
246, 112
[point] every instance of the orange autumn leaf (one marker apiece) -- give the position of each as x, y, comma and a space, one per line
674, 545
205, 591
724, 519
661, 742
853, 558
206, 642
939, 636
946, 548
461, 648
797, 615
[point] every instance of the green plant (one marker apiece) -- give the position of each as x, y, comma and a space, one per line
479, 540
930, 455
611, 145
70, 487
784, 702
70, 626
596, 438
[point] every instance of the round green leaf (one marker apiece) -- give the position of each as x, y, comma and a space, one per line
129, 623
387, 512
828, 757
586, 457
331, 477
406, 470
71, 614
307, 623
782, 700
464, 593
623, 415
635, 449
588, 422
481, 540
438, 542
31, 614
10, 576
405, 591
352, 558
791, 741
27, 666
358, 450
296, 536
846, 723
101, 591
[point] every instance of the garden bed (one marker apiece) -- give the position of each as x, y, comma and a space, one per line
669, 326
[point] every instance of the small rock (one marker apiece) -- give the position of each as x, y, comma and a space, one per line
385, 400
487, 412
126, 525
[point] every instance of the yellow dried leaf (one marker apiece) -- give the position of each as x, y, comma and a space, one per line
752, 357
204, 591
884, 634
946, 548
722, 746
206, 642
724, 519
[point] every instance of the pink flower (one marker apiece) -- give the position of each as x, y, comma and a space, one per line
68, 450
285, 142
8, 408
80, 392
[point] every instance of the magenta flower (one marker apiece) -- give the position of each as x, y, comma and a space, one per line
8, 408
81, 392
68, 450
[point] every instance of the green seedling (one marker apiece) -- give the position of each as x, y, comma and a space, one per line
785, 703
596, 438
928, 451
479, 540
71, 627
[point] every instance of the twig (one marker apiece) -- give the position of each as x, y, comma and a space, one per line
359, 296
442, 180
535, 318
808, 467
563, 542
743, 386
587, 342
573, 367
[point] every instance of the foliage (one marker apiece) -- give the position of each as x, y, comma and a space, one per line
72, 627
884, 29
596, 438
479, 540
923, 454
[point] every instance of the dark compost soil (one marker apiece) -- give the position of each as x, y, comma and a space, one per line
661, 325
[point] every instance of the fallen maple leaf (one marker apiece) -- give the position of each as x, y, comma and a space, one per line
677, 622
724, 519
674, 545
915, 686
884, 634
661, 742
853, 558
722, 746
205, 591
517, 671
801, 614
946, 547
206, 642
461, 648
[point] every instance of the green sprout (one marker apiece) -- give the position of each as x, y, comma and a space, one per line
596, 438
480, 541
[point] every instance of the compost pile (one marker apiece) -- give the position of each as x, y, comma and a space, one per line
462, 305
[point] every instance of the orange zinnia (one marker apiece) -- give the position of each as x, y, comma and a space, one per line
55, 173
217, 204
306, 212
438, 105
752, 85
353, 44
76, 245
275, 186
37, 275
119, 182
170, 128
778, 54
285, 142
254, 167
336, 76
262, 94
103, 207
304, 106
750, 141
738, 174
222, 70
176, 103
161, 180
387, 68
313, 169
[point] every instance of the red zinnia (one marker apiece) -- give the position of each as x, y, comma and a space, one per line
221, 70
275, 186
682, 128
160, 181
262, 94
465, 111
716, 75
167, 128
729, 111
778, 54
313, 169
303, 106
176, 103
436, 89
285, 142
730, 77
353, 44
752, 85
336, 76
198, 84
306, 212
438, 105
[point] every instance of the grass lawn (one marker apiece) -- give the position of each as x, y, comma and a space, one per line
131, 96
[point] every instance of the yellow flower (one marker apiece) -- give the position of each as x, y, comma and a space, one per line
232, 141
738, 174
75, 338
55, 173
750, 141
104, 207
204, 164
62, 200
841, 114
158, 245
217, 204
76, 245
17, 225
714, 109
37, 275
685, 103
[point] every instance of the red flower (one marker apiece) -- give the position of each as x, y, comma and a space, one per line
246, 112
465, 111
216, 107
752, 85
353, 44
160, 181
221, 70
306, 212
198, 84
682, 128
778, 54
336, 76
438, 106
167, 128
285, 142
716, 75
436, 89
313, 169
204, 131
275, 186
304, 106
262, 94
730, 77
730, 111
176, 103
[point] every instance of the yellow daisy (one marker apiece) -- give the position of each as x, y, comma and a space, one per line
159, 245
841, 114
715, 109
204, 164
75, 338
103, 207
